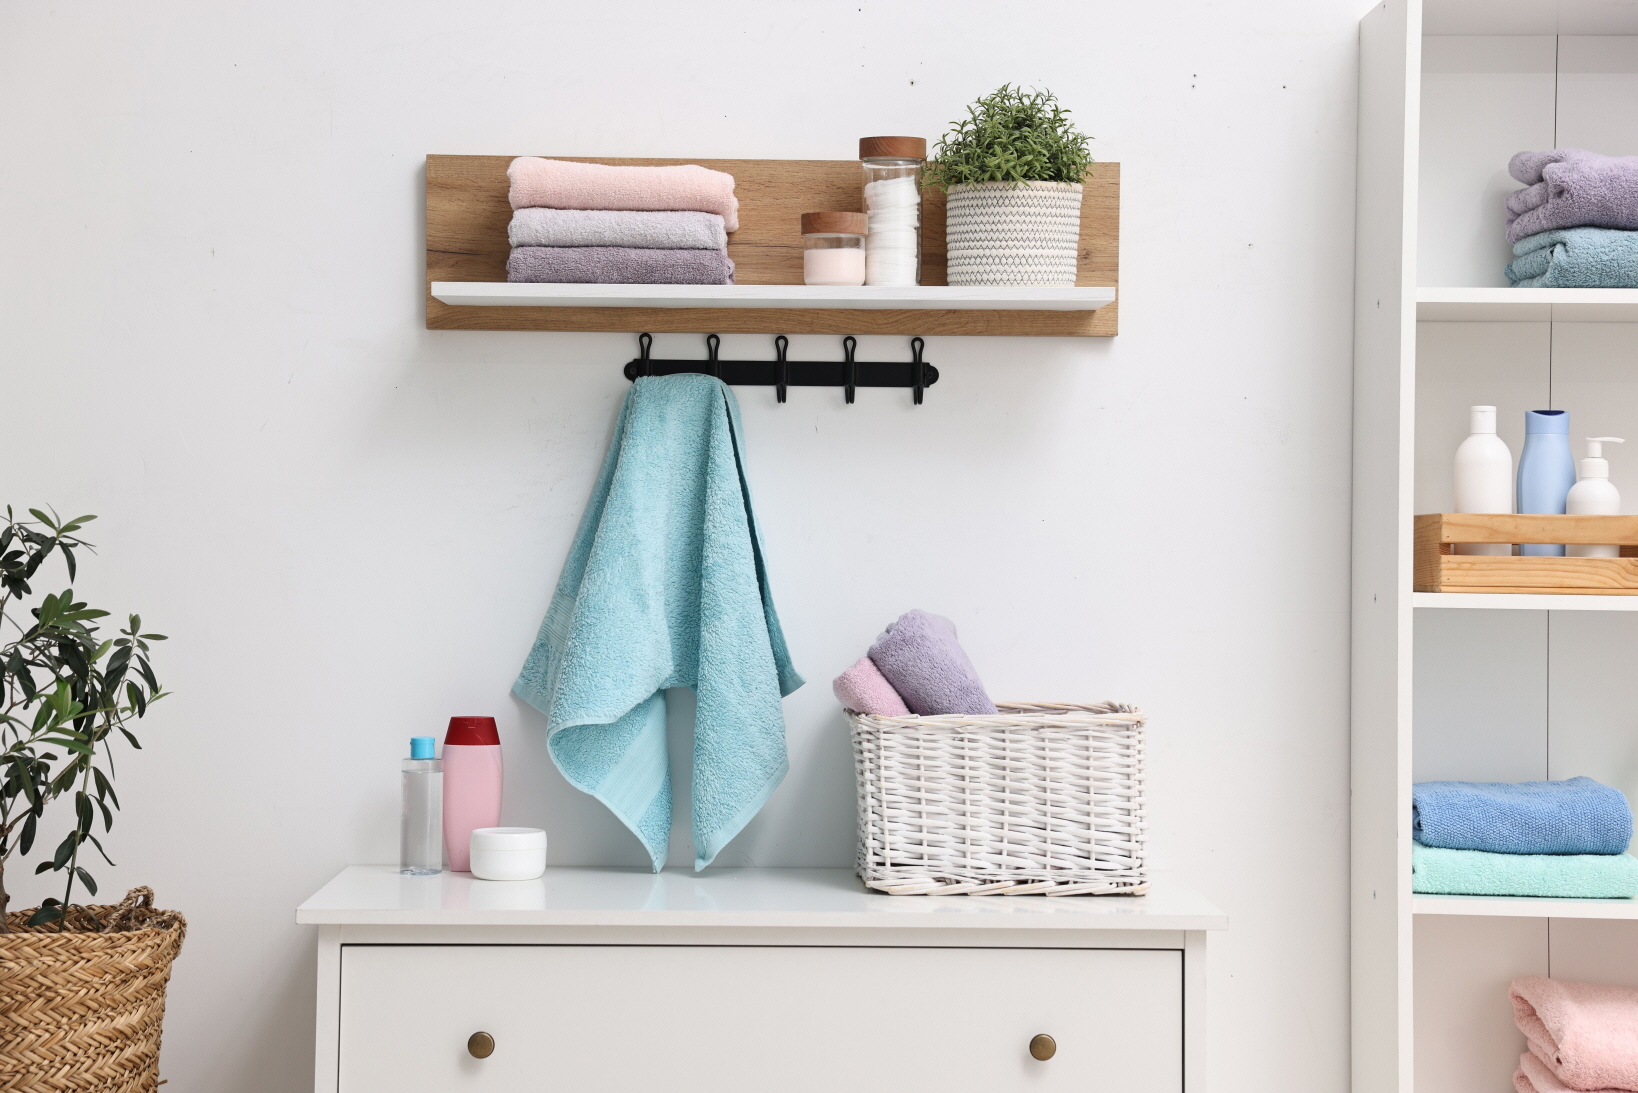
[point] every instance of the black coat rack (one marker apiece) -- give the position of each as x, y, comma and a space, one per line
780, 373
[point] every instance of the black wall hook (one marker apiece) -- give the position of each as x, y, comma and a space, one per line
782, 373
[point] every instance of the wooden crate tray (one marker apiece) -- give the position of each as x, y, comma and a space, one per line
467, 214
1439, 569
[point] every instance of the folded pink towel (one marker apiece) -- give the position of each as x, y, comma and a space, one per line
863, 689
1532, 1076
1585, 1034
559, 184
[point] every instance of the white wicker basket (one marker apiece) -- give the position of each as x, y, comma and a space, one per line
1041, 797
1003, 233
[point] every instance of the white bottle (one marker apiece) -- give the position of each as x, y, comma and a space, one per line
1484, 475
1594, 495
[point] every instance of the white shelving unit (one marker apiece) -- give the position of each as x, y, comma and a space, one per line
918, 298
1503, 688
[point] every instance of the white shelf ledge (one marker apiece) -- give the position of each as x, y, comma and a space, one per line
916, 298
1506, 601
376, 895
1527, 305
1524, 907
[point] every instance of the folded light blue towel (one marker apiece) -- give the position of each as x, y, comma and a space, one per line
665, 586
1576, 258
1438, 871
1578, 816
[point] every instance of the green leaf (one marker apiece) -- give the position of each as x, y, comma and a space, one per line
45, 915
134, 693
155, 637
65, 851
26, 840
85, 878
130, 738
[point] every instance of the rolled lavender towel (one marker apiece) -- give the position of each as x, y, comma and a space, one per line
1572, 188
863, 689
1576, 258
560, 184
920, 656
1575, 816
617, 228
619, 266
1584, 1034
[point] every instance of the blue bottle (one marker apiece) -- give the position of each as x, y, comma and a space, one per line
1546, 471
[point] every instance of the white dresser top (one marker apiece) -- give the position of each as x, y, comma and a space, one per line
376, 895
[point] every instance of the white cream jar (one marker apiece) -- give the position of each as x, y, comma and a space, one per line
508, 853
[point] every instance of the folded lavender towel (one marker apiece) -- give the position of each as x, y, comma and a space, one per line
863, 689
922, 659
1572, 188
606, 228
619, 266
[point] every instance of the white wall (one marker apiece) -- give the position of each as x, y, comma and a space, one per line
210, 314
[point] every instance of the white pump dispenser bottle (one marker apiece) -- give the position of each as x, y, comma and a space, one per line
1594, 495
1484, 475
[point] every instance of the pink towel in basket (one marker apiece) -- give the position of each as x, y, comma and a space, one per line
863, 689
560, 184
1586, 1035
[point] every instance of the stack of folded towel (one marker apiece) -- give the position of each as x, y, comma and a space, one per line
588, 223
1563, 839
1575, 223
1581, 1036
916, 666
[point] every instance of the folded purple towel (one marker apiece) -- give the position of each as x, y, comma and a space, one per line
921, 658
863, 689
1572, 188
619, 266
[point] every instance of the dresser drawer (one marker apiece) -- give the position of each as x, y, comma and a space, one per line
752, 1019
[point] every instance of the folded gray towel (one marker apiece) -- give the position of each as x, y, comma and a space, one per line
619, 266
922, 659
602, 228
1572, 188
1576, 258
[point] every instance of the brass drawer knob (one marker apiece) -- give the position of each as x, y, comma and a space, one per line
481, 1045
1043, 1047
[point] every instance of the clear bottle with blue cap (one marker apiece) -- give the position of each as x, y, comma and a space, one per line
421, 830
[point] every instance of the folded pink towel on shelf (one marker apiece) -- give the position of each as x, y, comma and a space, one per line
1532, 1076
1584, 1033
863, 689
560, 184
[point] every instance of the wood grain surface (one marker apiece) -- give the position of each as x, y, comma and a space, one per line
1437, 569
467, 215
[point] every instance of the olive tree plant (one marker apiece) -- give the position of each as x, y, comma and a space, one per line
64, 692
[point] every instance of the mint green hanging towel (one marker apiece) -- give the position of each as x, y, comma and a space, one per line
1438, 871
665, 586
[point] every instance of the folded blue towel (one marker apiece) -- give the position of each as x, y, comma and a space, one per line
1578, 816
1437, 871
665, 586
1576, 258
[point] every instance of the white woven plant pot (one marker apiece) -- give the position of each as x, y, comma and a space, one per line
1041, 797
1003, 233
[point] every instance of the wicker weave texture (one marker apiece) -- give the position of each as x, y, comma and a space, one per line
1042, 797
80, 1011
998, 233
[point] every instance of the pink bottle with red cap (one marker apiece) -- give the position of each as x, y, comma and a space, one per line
472, 785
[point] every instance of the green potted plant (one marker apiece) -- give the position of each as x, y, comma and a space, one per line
1013, 169
82, 987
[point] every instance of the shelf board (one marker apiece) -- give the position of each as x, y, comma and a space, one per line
940, 298
1506, 601
1527, 305
1524, 907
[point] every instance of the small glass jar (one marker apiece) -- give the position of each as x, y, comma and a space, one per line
892, 203
833, 248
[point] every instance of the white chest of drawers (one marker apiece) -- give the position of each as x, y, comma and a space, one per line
750, 981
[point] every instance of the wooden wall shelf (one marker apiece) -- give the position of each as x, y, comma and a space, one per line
467, 215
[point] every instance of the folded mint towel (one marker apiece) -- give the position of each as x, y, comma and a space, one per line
1576, 258
1571, 188
618, 266
1578, 816
1438, 871
921, 658
665, 586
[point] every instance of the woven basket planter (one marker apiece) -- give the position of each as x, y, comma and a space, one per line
1041, 798
1003, 233
80, 1011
